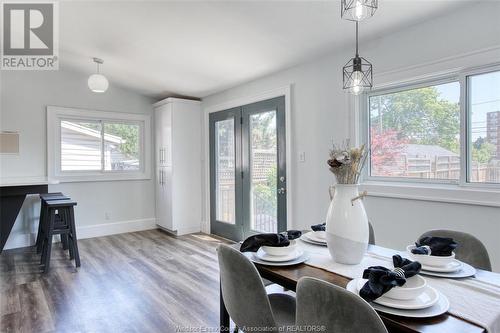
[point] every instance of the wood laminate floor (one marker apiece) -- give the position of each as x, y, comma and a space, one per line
145, 281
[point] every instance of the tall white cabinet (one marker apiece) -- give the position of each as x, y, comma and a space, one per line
178, 165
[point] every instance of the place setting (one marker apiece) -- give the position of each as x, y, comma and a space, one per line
281, 249
399, 290
317, 236
438, 259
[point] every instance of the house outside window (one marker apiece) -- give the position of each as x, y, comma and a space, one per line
90, 145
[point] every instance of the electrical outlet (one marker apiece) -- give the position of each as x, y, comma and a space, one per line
106, 216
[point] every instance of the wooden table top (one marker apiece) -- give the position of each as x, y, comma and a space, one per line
288, 277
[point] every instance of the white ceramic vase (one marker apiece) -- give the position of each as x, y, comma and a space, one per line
347, 225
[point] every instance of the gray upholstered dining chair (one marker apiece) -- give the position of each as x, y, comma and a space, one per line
334, 309
371, 239
245, 296
469, 250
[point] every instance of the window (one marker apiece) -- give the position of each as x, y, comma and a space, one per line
415, 133
418, 133
91, 145
484, 128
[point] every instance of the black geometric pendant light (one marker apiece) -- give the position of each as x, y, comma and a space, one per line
358, 10
357, 73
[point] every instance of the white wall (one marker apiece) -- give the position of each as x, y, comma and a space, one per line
128, 205
321, 112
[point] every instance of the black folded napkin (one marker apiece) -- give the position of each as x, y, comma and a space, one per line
253, 243
319, 227
439, 246
382, 279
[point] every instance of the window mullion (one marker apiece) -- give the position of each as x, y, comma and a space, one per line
464, 130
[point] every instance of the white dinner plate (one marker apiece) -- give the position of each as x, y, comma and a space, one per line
306, 239
453, 266
437, 309
428, 298
262, 255
255, 259
465, 271
311, 236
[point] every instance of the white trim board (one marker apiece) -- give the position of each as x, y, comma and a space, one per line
180, 232
88, 231
20, 240
434, 193
280, 91
106, 229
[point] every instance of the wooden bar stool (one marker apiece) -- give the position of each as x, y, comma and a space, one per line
43, 218
64, 225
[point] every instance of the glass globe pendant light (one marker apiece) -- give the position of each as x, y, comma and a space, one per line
357, 73
98, 82
358, 10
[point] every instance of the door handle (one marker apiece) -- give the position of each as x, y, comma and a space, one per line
281, 190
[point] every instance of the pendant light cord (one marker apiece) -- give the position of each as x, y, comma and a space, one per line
357, 54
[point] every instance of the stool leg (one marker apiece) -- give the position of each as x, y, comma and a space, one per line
42, 226
74, 242
71, 248
68, 237
64, 241
65, 238
48, 237
40, 222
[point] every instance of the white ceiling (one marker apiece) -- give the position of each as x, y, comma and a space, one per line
186, 48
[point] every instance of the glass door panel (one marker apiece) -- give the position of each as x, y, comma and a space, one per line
225, 169
263, 172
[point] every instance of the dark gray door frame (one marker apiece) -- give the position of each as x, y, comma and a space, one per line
241, 116
275, 104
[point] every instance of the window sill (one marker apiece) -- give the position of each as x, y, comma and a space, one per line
101, 177
466, 195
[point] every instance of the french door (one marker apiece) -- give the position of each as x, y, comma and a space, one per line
248, 169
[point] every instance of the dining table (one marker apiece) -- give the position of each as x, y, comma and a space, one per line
288, 276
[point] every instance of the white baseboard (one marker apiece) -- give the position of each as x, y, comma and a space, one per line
87, 231
186, 231
205, 227
105, 229
180, 232
19, 240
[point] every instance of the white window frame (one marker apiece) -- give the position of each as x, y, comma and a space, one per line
366, 128
57, 114
440, 190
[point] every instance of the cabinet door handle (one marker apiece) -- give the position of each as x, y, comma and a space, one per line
162, 159
162, 177
159, 176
